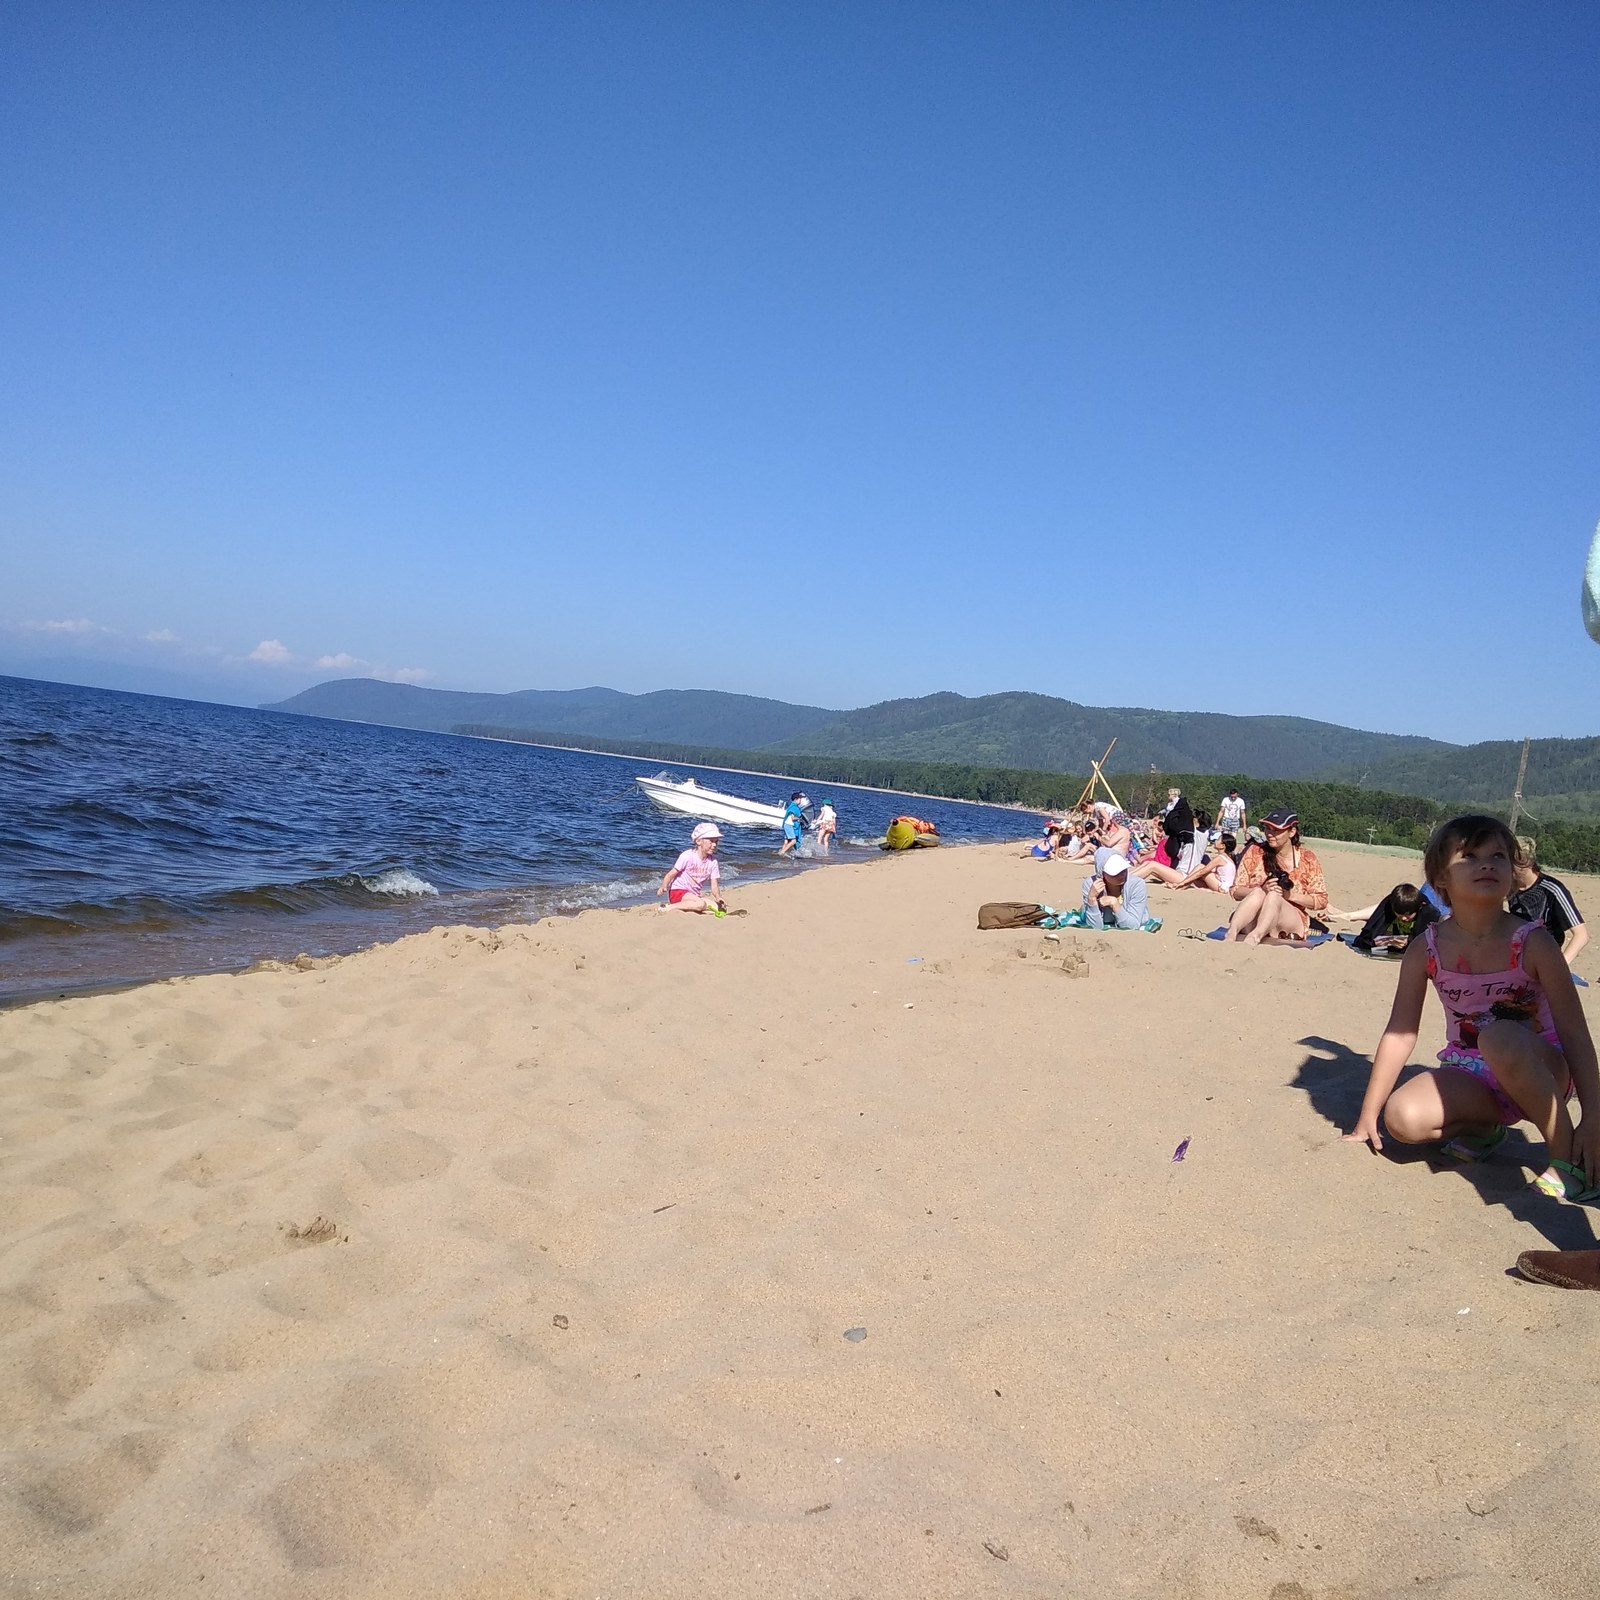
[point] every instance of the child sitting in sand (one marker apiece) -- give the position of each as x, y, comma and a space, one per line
1518, 1045
691, 882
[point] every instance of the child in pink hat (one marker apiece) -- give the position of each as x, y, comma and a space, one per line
691, 882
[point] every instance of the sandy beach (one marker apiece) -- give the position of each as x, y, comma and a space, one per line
605, 1199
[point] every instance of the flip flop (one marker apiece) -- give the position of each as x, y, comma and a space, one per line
1467, 1148
1563, 1181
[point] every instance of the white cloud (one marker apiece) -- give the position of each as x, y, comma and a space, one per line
82, 637
345, 662
78, 625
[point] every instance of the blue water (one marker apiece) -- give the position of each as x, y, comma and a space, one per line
141, 838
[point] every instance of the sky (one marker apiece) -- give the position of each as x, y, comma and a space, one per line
1229, 357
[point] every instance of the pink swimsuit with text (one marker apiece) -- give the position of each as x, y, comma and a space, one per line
1472, 1000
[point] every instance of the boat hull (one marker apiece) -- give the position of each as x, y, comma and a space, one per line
689, 799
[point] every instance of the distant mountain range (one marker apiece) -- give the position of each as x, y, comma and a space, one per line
674, 716
1034, 731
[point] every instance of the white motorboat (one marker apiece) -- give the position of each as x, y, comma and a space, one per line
691, 799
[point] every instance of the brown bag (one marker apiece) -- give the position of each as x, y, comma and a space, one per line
1010, 914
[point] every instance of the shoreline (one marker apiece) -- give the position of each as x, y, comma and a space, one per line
326, 946
747, 772
653, 1255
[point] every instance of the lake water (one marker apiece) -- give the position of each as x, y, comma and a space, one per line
142, 837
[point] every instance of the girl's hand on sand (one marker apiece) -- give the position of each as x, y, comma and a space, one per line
1365, 1132
1586, 1147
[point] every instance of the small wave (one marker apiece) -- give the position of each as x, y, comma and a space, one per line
152, 913
556, 899
15, 924
312, 894
396, 881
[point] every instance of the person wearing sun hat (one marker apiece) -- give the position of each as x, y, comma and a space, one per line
827, 825
692, 882
1279, 884
1114, 897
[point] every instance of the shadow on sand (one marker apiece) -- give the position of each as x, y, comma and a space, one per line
1334, 1078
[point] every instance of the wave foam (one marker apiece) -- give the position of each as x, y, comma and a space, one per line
398, 881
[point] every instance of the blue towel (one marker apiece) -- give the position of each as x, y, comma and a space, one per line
1297, 944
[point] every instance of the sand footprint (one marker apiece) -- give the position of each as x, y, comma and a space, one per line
333, 1280
78, 1497
334, 1512
401, 1156
68, 1359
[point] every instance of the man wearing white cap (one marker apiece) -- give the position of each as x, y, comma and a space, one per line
691, 882
1113, 897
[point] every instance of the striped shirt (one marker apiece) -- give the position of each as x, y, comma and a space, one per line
1549, 901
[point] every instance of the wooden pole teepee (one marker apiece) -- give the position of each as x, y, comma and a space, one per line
1096, 776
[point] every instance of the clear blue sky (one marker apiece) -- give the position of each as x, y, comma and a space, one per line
1148, 354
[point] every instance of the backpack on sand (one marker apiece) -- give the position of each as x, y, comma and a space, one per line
1011, 914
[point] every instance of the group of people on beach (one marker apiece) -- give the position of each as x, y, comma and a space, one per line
1275, 882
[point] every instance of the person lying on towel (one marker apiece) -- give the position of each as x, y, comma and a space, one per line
1396, 919
1113, 898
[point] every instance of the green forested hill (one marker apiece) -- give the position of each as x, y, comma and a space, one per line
1043, 732
1563, 775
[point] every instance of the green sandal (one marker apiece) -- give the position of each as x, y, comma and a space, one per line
1563, 1181
1474, 1147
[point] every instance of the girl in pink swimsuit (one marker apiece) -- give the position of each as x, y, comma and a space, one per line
1518, 1044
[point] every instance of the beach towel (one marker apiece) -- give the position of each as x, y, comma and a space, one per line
1076, 919
1279, 944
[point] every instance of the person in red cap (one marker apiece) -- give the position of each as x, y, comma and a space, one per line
1278, 885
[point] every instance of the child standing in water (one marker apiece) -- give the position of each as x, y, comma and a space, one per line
1518, 1043
794, 823
692, 881
827, 826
